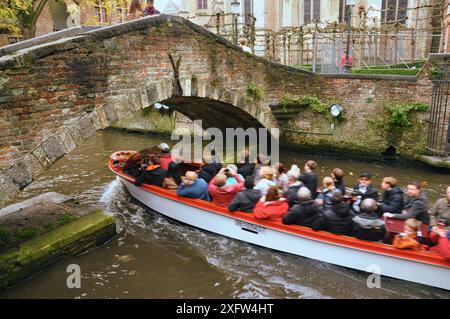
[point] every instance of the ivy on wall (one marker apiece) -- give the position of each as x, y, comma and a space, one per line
399, 115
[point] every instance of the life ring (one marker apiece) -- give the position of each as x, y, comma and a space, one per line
122, 156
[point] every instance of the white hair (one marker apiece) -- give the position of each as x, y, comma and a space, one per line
304, 194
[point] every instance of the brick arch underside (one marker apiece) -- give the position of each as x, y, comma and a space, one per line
212, 113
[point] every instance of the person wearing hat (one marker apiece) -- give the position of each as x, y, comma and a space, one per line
362, 191
165, 157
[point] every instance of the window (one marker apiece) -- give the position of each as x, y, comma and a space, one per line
248, 10
122, 14
100, 11
391, 12
202, 4
311, 11
287, 19
342, 11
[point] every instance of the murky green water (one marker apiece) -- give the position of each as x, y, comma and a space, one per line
158, 258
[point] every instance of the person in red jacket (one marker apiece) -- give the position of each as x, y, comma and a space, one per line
272, 206
222, 194
165, 158
443, 246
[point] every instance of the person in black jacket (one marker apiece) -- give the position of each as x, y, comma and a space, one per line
416, 206
309, 178
306, 213
152, 173
362, 191
294, 187
246, 167
246, 199
338, 219
392, 198
367, 225
338, 176
210, 169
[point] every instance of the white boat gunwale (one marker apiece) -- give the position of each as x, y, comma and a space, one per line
338, 240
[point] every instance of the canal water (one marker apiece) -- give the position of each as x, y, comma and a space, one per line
158, 258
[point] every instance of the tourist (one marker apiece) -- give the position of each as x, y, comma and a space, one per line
362, 191
271, 206
415, 207
135, 11
243, 45
343, 62
338, 219
209, 169
309, 178
230, 171
152, 173
408, 239
150, 9
221, 193
261, 161
165, 157
440, 212
280, 178
173, 177
367, 225
266, 174
392, 197
324, 198
293, 186
338, 177
246, 167
443, 246
306, 213
193, 187
246, 199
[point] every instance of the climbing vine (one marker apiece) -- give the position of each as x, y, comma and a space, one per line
399, 115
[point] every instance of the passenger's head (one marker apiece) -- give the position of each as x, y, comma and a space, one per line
337, 174
272, 194
413, 189
266, 172
135, 6
337, 197
249, 182
369, 206
164, 148
191, 176
310, 166
279, 167
243, 41
292, 177
263, 159
365, 179
220, 180
304, 194
411, 226
448, 193
388, 183
328, 183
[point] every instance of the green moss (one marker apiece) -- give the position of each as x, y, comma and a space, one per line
65, 218
410, 72
254, 94
27, 233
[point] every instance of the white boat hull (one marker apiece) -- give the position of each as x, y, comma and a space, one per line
391, 266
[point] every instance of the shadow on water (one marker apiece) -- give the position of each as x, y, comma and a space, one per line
155, 257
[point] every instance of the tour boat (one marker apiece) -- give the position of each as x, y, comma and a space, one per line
420, 267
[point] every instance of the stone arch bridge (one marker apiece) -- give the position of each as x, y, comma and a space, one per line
55, 95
